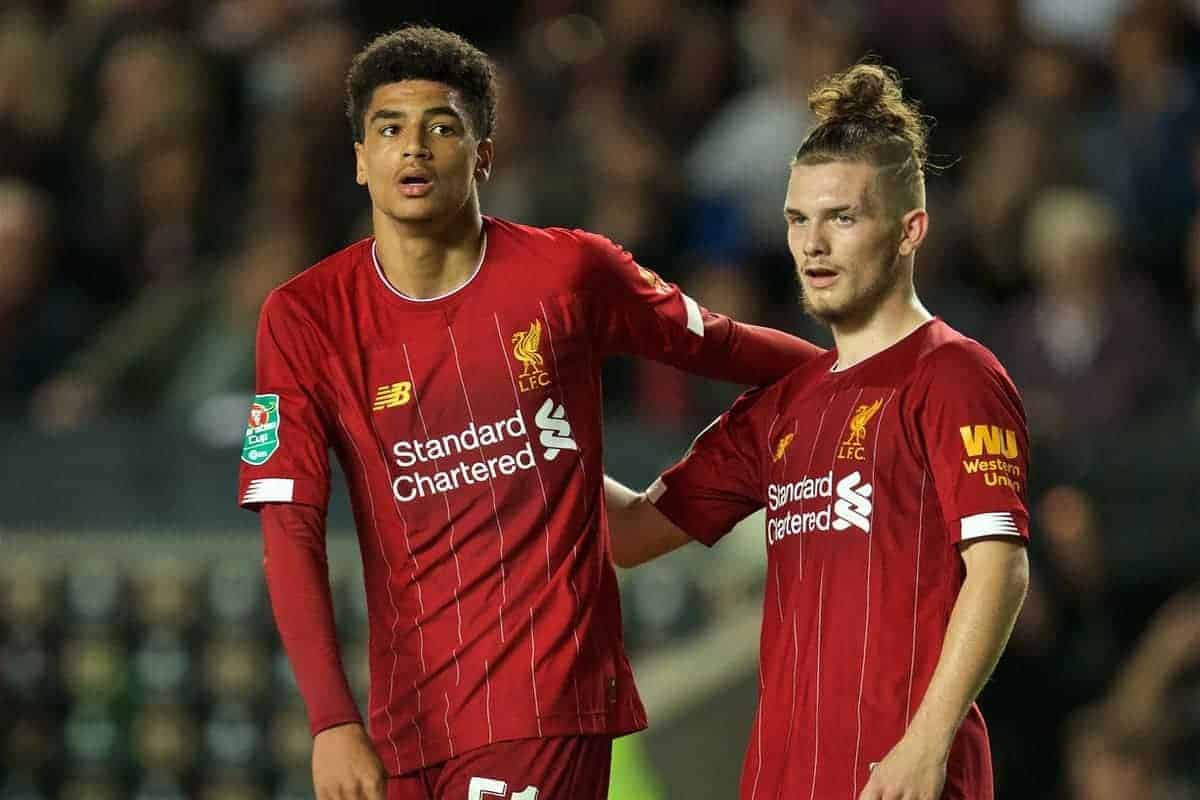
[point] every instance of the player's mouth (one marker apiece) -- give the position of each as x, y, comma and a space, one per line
416, 184
820, 277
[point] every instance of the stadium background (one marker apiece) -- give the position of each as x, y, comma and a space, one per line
163, 163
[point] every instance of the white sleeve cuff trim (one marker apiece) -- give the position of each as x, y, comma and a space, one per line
270, 490
656, 490
694, 322
995, 523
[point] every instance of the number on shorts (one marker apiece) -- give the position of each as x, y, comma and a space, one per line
490, 787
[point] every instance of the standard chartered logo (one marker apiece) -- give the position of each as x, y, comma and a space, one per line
462, 453
851, 508
556, 431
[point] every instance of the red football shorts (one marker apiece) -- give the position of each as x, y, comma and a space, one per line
559, 768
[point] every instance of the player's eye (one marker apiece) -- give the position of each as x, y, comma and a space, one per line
845, 219
389, 130
796, 220
443, 129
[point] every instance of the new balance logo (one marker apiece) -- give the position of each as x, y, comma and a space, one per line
555, 430
392, 395
853, 505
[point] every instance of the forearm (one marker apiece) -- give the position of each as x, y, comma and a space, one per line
979, 627
298, 584
637, 530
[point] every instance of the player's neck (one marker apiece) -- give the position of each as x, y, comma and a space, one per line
896, 317
425, 260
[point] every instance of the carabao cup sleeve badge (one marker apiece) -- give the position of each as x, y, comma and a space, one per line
262, 430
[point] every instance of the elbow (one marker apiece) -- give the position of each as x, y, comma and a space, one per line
624, 534
1000, 568
1019, 568
1017, 577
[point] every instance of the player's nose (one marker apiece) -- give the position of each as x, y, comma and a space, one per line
415, 145
814, 243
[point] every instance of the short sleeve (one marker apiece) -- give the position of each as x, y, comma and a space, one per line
285, 454
638, 313
973, 426
719, 482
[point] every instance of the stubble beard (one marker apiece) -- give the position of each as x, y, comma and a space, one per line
859, 308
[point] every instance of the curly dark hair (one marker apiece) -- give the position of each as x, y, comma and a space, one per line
423, 53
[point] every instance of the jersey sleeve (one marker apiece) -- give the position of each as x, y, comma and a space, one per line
973, 426
297, 576
638, 313
285, 455
719, 482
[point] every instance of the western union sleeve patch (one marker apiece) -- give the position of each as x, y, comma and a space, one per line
262, 430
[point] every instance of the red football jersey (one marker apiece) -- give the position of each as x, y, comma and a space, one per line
469, 430
870, 476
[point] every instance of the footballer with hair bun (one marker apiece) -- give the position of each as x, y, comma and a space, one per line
893, 470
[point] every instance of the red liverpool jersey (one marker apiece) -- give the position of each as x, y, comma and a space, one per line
870, 476
469, 430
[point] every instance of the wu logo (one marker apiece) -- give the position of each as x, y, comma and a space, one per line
555, 429
526, 347
852, 448
996, 441
852, 509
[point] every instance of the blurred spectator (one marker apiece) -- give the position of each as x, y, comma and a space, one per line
134, 198
1122, 746
1193, 279
1085, 24
302, 149
238, 26
40, 322
535, 180
34, 82
700, 76
1138, 143
1089, 345
1103, 763
178, 348
948, 285
738, 164
1011, 157
1051, 79
957, 64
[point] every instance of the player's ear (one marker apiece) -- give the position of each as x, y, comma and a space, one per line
485, 151
913, 227
360, 164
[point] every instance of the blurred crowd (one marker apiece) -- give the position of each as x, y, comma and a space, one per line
164, 163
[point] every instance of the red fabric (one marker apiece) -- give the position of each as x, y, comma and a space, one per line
867, 477
469, 431
575, 767
298, 582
